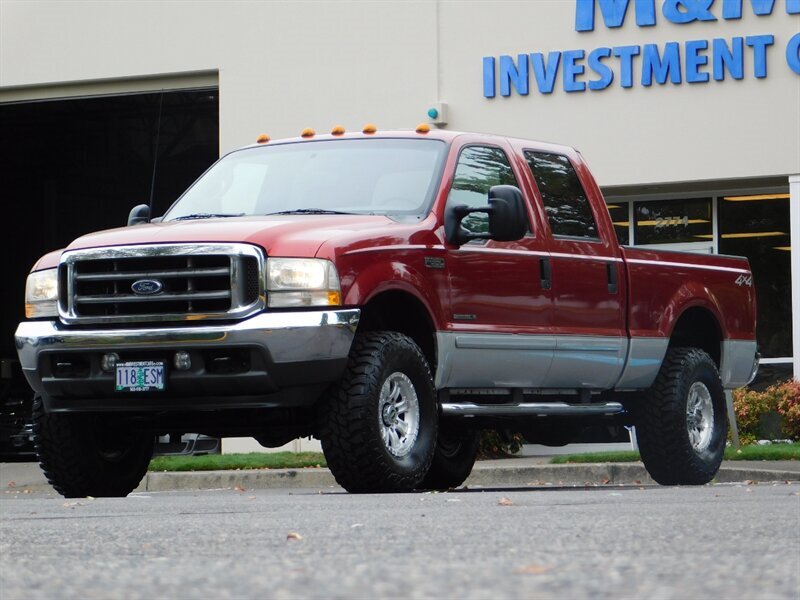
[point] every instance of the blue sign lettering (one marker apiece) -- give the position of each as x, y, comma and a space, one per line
545, 74
732, 9
687, 11
626, 54
759, 44
731, 58
488, 77
510, 75
793, 53
572, 69
613, 12
695, 60
603, 70
680, 12
698, 61
660, 67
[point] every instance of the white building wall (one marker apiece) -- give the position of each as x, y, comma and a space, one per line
284, 66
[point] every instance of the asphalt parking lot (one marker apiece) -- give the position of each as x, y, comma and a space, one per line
725, 540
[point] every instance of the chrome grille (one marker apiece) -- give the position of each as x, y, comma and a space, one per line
170, 282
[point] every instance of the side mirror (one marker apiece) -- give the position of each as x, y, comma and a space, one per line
507, 221
139, 214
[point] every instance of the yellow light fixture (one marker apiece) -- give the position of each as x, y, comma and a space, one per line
705, 236
423, 128
756, 197
731, 236
621, 223
666, 222
338, 130
307, 133
784, 248
262, 139
613, 206
369, 128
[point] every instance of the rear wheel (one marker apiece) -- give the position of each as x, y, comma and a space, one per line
378, 426
681, 425
90, 455
453, 459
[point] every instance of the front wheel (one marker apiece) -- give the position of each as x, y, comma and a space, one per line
89, 455
681, 425
378, 426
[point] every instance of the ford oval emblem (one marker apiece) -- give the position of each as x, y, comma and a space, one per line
147, 287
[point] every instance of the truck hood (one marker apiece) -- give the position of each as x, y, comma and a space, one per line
279, 235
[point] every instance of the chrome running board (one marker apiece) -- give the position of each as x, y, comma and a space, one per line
530, 409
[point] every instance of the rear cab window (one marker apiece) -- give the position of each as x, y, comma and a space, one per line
569, 213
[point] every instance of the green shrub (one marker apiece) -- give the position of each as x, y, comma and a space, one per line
771, 414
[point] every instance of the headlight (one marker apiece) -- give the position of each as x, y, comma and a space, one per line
41, 294
302, 282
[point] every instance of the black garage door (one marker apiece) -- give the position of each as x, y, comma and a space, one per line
71, 166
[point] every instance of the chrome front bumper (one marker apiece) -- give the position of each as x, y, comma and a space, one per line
285, 339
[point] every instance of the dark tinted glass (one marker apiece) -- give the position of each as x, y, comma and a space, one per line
564, 199
673, 221
479, 168
758, 228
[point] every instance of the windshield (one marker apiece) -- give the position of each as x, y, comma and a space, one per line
393, 177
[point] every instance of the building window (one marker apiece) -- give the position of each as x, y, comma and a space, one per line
619, 217
757, 226
673, 221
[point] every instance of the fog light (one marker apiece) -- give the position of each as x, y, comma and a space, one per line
183, 362
109, 361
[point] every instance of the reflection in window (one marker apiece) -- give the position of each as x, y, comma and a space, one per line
479, 168
757, 226
673, 221
565, 201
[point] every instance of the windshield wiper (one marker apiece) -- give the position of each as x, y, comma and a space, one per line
207, 216
310, 211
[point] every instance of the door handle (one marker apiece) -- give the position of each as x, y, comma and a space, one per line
545, 273
611, 271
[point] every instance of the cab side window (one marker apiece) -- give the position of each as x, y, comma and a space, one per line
478, 169
564, 198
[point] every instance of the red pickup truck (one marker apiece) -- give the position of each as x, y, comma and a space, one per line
390, 293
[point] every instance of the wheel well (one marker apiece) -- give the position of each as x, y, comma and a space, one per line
404, 313
698, 328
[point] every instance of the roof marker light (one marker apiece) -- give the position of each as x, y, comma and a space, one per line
262, 139
423, 128
307, 133
369, 128
338, 130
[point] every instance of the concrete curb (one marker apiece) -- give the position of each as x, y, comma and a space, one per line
488, 474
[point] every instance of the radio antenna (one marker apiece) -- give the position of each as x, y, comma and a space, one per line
155, 157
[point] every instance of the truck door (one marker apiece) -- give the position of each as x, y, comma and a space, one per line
587, 277
499, 306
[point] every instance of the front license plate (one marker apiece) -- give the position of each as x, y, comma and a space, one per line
140, 376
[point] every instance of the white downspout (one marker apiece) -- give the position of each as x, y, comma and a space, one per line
794, 229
